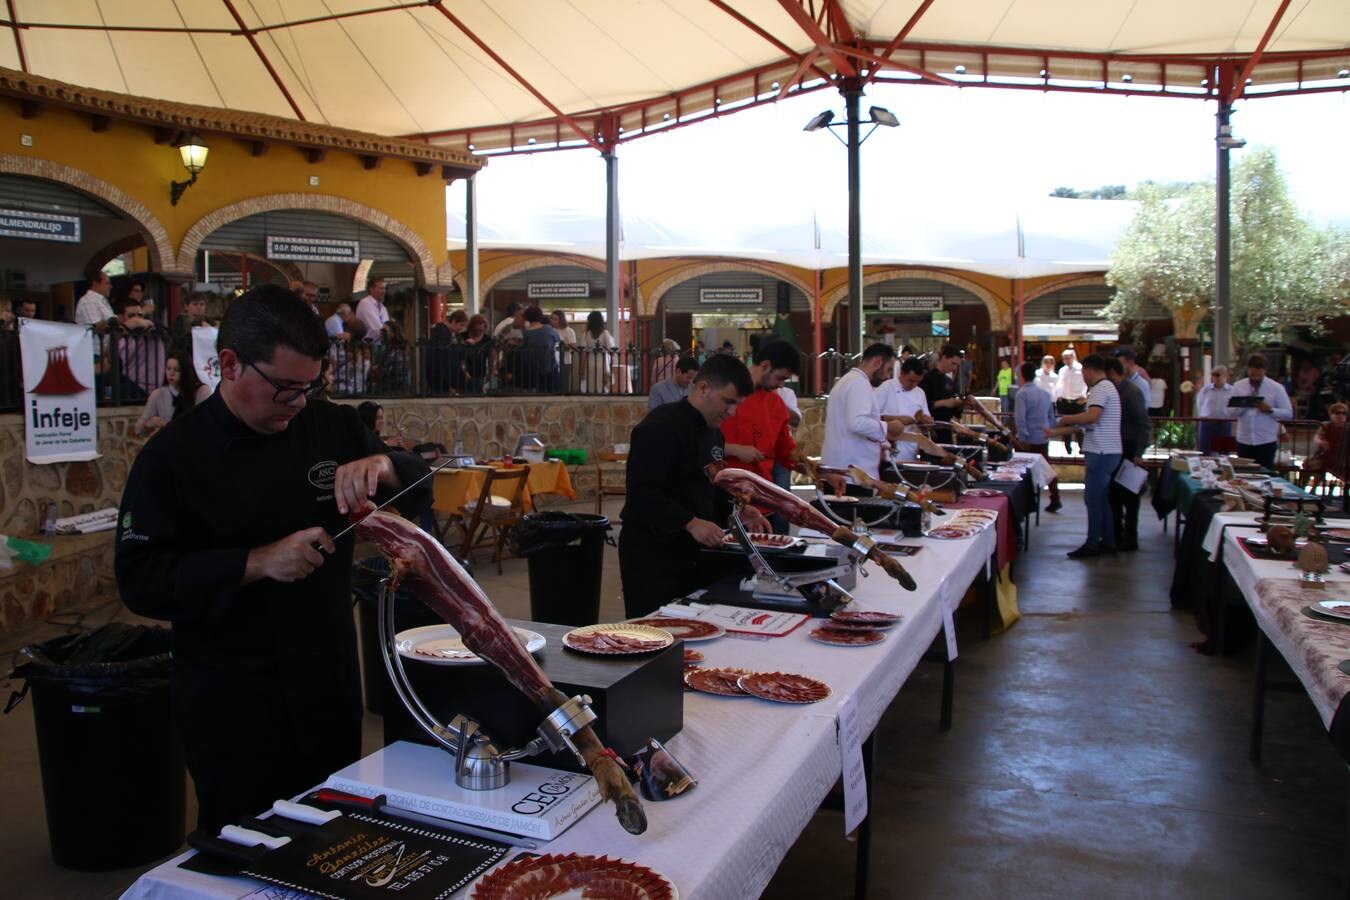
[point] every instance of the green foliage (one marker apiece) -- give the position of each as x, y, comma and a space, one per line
1285, 271
1106, 192
1179, 435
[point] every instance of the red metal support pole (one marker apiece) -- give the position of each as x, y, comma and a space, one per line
901, 35
257, 48
823, 43
1019, 310
18, 38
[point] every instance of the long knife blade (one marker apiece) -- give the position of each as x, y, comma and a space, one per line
447, 461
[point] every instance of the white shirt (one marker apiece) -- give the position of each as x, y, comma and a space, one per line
854, 432
374, 315
1253, 426
1069, 385
93, 307
1103, 436
1212, 402
504, 326
1157, 393
1046, 380
789, 398
334, 325
894, 400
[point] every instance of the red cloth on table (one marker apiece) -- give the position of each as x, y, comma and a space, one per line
1007, 530
761, 421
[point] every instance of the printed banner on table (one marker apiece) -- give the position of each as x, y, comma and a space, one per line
204, 360
60, 420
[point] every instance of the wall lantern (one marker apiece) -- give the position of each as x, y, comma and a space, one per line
193, 150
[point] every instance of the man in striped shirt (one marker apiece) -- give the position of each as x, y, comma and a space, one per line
1101, 450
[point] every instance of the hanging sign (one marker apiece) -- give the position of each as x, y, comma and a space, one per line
557, 290
1080, 311
909, 304
39, 226
204, 360
731, 296
60, 420
310, 249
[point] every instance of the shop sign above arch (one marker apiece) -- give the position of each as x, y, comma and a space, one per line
999, 312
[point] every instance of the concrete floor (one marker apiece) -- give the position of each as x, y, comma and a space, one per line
1093, 754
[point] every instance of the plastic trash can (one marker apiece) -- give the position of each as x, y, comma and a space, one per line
565, 556
409, 612
113, 779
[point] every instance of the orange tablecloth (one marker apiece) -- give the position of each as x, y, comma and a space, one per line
453, 488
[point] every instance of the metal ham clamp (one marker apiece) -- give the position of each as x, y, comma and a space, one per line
422, 563
747, 487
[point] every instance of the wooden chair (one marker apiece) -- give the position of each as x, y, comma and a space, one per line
612, 490
489, 518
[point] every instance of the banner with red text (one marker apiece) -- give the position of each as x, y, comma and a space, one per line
59, 412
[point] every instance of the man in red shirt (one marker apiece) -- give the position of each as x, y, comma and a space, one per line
757, 433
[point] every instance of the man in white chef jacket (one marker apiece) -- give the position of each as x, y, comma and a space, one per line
902, 396
854, 432
1258, 426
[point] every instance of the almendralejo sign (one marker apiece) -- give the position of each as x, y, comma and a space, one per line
38, 226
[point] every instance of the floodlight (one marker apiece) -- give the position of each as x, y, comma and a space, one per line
820, 121
880, 115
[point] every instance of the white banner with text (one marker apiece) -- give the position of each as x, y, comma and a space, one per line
204, 360
60, 418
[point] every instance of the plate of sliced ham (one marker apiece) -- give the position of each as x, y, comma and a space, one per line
863, 618
763, 540
442, 645
784, 687
572, 875
722, 681
684, 629
617, 639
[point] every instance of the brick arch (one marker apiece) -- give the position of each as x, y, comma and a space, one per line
525, 265
686, 273
998, 313
1061, 284
156, 237
341, 206
122, 245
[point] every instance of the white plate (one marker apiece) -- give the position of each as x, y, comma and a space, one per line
1339, 609
441, 645
660, 639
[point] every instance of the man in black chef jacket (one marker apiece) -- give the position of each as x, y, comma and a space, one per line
670, 507
224, 531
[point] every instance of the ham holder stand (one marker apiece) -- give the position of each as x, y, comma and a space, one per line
480, 765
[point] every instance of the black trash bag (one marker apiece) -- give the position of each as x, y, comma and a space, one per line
541, 530
118, 657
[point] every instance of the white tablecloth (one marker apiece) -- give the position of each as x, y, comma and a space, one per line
1247, 571
763, 768
1042, 473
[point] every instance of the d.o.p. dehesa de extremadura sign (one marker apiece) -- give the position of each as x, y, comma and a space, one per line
60, 420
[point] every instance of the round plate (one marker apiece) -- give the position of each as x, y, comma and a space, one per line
1339, 609
1004, 476
684, 629
840, 498
868, 617
847, 637
784, 687
441, 645
950, 533
617, 639
983, 492
763, 540
692, 657
1337, 534
722, 681
572, 875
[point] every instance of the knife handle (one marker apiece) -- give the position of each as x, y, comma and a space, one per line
351, 801
224, 850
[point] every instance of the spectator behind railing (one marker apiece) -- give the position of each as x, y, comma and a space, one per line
1329, 445
351, 361
139, 353
390, 370
372, 414
1212, 403
180, 393
336, 324
597, 344
540, 352
663, 366
439, 359
192, 316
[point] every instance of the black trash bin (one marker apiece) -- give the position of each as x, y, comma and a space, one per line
409, 612
565, 555
113, 779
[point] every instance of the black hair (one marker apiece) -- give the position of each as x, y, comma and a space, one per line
367, 410
1028, 370
1114, 366
1126, 353
722, 369
913, 366
373, 280
950, 350
885, 351
595, 322
1093, 361
125, 301
779, 354
1257, 361
687, 364
907, 349
188, 382
511, 308
534, 314
267, 317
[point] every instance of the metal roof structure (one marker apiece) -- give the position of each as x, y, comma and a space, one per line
527, 75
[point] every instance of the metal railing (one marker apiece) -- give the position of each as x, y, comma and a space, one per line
129, 365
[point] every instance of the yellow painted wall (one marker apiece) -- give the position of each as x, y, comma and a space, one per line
127, 157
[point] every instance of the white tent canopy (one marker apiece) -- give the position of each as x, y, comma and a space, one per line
501, 73
1047, 236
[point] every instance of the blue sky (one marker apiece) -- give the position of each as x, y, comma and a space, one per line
954, 146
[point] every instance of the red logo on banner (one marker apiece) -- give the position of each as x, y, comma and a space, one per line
58, 379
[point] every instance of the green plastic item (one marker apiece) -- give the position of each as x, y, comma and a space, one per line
33, 553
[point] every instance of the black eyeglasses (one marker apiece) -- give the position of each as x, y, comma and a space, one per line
290, 393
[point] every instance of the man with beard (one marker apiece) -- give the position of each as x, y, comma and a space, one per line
854, 432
